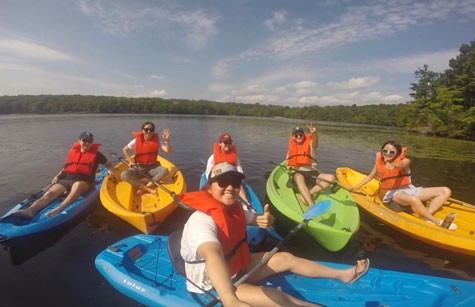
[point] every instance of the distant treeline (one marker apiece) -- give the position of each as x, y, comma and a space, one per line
443, 105
386, 115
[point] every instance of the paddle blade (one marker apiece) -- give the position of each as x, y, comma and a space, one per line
317, 209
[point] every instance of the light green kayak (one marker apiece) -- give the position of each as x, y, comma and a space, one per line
333, 229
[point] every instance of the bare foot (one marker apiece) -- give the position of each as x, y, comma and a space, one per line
24, 213
53, 212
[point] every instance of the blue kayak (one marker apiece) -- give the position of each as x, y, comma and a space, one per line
12, 226
255, 235
140, 268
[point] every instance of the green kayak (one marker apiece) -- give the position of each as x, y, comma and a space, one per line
333, 229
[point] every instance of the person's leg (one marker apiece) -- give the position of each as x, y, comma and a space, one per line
284, 261
77, 189
262, 296
299, 180
320, 184
53, 192
416, 205
135, 179
437, 197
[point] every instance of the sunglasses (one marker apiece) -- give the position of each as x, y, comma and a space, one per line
228, 142
224, 182
298, 134
86, 140
149, 129
390, 152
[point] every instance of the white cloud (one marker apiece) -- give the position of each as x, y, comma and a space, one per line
158, 77
437, 61
355, 83
358, 24
279, 17
122, 18
29, 50
154, 94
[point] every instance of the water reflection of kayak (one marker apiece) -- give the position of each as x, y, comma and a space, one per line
461, 240
140, 268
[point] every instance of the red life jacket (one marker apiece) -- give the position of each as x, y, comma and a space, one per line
299, 154
231, 225
81, 163
221, 156
395, 178
146, 151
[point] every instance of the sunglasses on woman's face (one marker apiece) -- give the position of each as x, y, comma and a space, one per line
388, 152
228, 143
149, 129
224, 182
86, 140
298, 135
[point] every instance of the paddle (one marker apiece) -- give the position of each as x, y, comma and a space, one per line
172, 194
25, 202
314, 211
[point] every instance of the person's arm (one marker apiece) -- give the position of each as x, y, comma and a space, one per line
313, 130
238, 166
209, 165
264, 220
218, 272
365, 180
111, 168
126, 152
166, 147
58, 176
403, 164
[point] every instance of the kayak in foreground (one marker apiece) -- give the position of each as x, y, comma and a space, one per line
12, 226
332, 230
461, 240
140, 268
143, 211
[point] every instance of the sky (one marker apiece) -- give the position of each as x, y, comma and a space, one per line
293, 53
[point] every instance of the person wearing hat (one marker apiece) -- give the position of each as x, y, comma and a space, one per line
225, 151
75, 178
216, 253
146, 145
300, 159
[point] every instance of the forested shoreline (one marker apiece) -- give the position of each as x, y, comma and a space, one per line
443, 104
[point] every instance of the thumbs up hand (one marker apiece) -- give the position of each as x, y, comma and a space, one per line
266, 219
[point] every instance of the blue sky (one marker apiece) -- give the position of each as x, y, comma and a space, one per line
295, 53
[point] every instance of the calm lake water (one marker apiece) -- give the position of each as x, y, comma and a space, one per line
57, 268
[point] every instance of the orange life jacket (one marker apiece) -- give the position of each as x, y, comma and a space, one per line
395, 178
231, 225
81, 163
299, 154
221, 156
146, 151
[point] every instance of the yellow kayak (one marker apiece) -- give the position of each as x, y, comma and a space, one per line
143, 211
461, 240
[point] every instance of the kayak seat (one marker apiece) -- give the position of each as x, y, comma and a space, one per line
397, 207
174, 246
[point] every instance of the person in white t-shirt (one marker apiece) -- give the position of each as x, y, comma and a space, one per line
216, 253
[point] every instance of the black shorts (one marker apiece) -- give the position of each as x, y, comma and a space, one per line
309, 176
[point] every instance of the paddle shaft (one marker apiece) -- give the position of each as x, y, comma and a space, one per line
271, 253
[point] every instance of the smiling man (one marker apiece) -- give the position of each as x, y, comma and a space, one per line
75, 178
